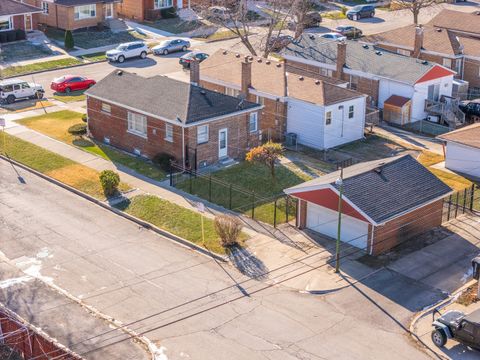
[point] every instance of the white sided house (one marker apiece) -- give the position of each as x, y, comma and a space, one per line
372, 71
462, 150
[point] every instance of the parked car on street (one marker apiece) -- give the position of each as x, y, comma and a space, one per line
69, 83
470, 107
12, 90
127, 51
186, 59
361, 11
456, 325
351, 32
169, 46
277, 43
333, 36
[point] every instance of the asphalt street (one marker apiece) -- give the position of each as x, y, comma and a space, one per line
189, 305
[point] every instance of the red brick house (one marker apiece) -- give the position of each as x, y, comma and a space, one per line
141, 10
149, 116
385, 202
17, 15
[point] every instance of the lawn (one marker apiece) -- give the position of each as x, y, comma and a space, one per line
23, 50
56, 166
95, 57
73, 96
41, 66
250, 183
175, 219
176, 25
222, 35
56, 125
334, 15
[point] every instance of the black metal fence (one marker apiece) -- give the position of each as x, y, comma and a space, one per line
271, 210
461, 202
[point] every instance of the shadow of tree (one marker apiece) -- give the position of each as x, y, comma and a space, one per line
247, 263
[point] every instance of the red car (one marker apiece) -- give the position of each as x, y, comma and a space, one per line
69, 83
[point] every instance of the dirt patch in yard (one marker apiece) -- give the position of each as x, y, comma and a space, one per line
469, 296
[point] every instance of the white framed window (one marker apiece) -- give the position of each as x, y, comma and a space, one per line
137, 124
202, 134
169, 132
5, 23
45, 7
161, 4
351, 111
260, 100
232, 92
326, 72
328, 118
403, 52
253, 122
434, 92
447, 63
85, 12
106, 108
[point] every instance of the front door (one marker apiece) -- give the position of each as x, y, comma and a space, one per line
108, 10
222, 143
28, 22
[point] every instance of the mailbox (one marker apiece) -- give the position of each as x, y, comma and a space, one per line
476, 267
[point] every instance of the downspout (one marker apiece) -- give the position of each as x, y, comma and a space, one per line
56, 16
183, 147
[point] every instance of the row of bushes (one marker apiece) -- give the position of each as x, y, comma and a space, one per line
12, 35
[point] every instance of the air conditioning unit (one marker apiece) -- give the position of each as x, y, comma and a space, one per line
433, 118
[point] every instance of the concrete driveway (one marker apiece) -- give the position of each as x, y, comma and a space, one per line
190, 306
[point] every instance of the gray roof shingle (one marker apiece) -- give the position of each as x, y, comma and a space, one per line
386, 188
167, 98
359, 57
12, 7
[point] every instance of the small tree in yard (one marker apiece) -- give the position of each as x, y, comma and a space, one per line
110, 181
69, 42
228, 228
415, 6
266, 154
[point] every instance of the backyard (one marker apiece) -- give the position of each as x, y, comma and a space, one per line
56, 125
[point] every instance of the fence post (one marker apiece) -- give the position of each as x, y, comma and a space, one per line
456, 205
210, 188
464, 200
253, 204
449, 206
230, 197
472, 196
275, 213
286, 209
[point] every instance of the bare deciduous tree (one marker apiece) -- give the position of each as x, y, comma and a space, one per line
415, 6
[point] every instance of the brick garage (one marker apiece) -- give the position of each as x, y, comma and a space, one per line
403, 200
149, 116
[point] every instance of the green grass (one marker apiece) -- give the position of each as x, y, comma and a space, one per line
175, 25
175, 219
334, 15
73, 96
56, 125
98, 56
56, 166
41, 66
24, 50
251, 178
223, 35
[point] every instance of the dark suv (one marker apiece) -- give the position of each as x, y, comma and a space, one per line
361, 11
458, 326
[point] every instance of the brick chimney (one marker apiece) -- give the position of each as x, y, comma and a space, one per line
195, 72
341, 58
246, 76
418, 45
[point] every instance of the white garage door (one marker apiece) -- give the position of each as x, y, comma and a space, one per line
325, 221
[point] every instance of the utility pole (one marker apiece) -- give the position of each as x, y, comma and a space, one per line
339, 182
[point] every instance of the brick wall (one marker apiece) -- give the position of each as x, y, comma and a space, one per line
115, 127
19, 22
406, 227
471, 73
302, 214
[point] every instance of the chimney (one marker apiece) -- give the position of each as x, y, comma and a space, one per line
341, 58
246, 76
195, 72
418, 45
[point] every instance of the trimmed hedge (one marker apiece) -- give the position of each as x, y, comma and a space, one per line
168, 13
12, 35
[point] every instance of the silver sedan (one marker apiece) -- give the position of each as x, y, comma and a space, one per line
169, 46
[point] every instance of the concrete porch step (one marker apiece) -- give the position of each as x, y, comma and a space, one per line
227, 162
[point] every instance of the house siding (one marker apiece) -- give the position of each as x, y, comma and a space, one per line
471, 73
456, 159
407, 226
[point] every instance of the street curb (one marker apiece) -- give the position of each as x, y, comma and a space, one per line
59, 68
438, 306
118, 212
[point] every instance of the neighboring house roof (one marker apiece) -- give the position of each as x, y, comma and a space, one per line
82, 2
268, 76
396, 100
12, 7
383, 189
468, 135
166, 98
437, 40
471, 45
457, 20
317, 91
361, 57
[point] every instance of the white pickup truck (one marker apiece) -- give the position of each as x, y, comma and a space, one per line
12, 90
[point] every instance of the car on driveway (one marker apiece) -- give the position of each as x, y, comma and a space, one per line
169, 46
69, 83
333, 36
12, 90
351, 32
186, 59
456, 325
361, 11
127, 51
